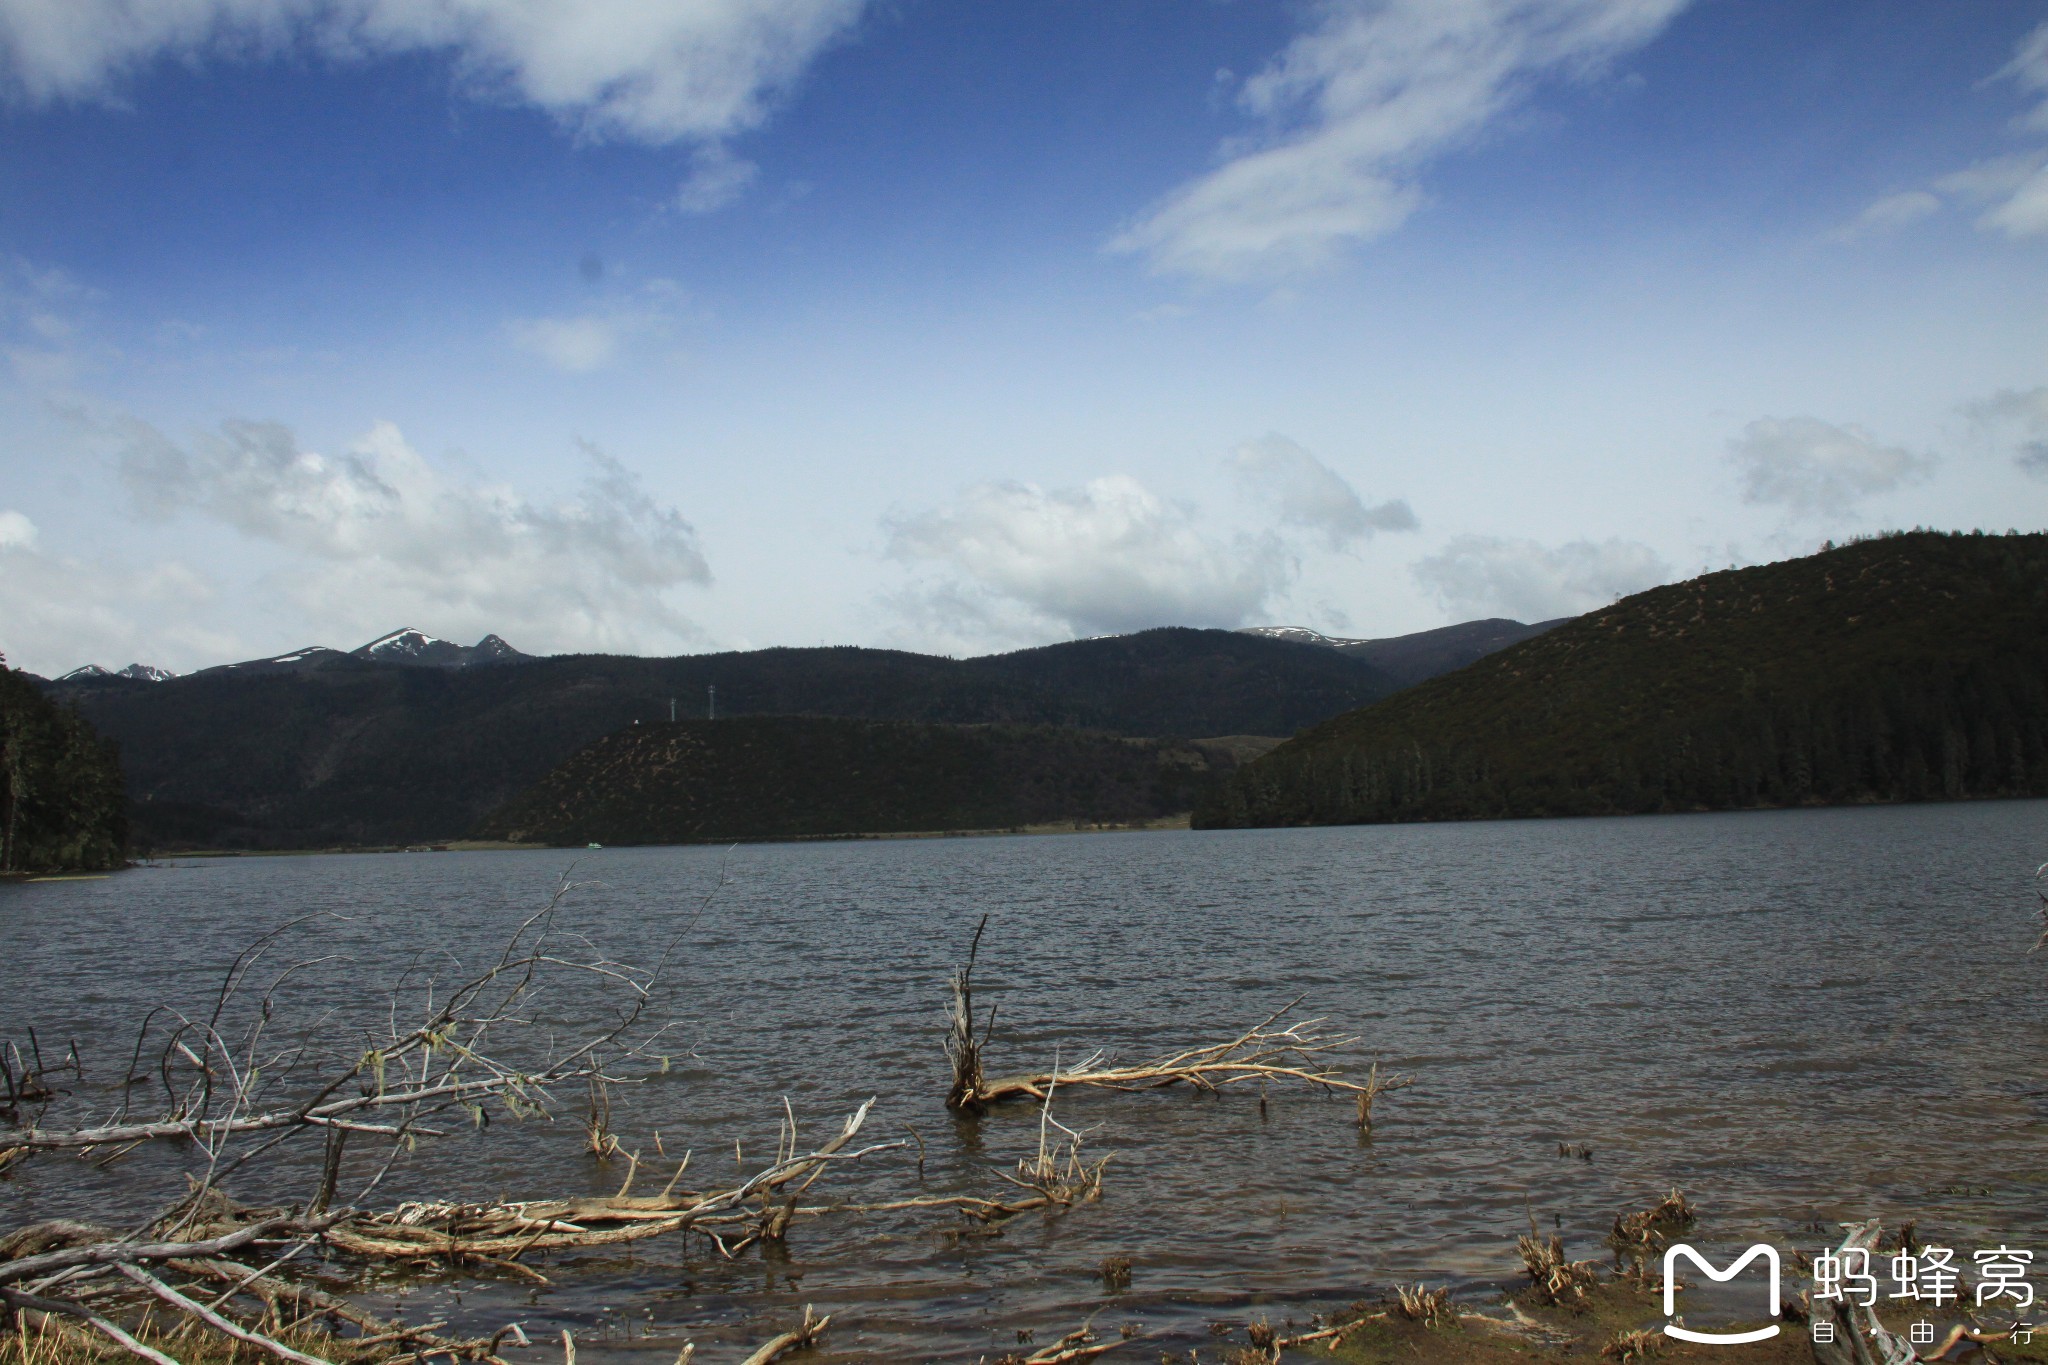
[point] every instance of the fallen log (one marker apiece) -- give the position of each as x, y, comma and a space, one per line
508, 1230
1264, 1052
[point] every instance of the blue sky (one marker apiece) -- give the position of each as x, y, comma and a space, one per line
675, 325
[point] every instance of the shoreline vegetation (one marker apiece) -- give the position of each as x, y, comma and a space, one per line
210, 1279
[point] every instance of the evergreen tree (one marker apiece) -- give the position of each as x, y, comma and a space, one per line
62, 804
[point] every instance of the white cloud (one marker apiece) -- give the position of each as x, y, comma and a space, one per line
17, 532
40, 322
1815, 468
1311, 496
1891, 214
2019, 416
378, 537
717, 178
2028, 69
1991, 179
2019, 184
1106, 558
2025, 213
1488, 576
61, 611
2012, 188
576, 344
1352, 110
649, 70
581, 343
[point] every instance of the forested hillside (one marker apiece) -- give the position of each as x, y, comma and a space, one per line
61, 802
787, 776
356, 752
1910, 667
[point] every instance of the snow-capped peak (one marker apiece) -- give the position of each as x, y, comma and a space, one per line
416, 647
133, 673
1300, 635
405, 644
407, 648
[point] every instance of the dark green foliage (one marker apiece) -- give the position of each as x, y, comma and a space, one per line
361, 753
60, 786
1910, 667
785, 776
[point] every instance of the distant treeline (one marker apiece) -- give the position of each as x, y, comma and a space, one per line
1908, 667
61, 800
786, 776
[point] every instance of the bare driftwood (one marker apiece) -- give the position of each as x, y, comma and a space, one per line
963, 1049
1080, 1344
1859, 1338
803, 1335
1269, 1345
469, 1047
230, 1096
502, 1232
1262, 1053
2042, 913
1055, 1177
1375, 1086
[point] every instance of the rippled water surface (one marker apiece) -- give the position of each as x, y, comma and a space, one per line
1798, 1017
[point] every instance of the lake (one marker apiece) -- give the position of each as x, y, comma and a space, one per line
1797, 1017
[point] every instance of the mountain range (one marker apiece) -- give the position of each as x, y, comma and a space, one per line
409, 647
410, 739
1904, 667
133, 672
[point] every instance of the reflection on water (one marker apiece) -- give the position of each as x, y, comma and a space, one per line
1798, 1017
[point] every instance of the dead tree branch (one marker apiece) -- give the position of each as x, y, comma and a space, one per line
962, 1048
1079, 1344
1263, 1052
805, 1334
231, 1089
422, 1231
